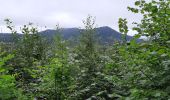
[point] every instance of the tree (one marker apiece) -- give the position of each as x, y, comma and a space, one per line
58, 75
155, 22
143, 64
91, 80
30, 50
8, 89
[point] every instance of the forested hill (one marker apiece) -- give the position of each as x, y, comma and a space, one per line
105, 34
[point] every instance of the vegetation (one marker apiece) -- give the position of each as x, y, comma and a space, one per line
32, 68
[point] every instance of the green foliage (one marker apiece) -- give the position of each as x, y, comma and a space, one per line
7, 85
123, 28
8, 88
59, 74
87, 53
30, 51
88, 71
145, 65
155, 22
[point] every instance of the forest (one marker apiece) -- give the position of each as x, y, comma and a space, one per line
32, 68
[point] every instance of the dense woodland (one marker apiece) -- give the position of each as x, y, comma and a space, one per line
31, 68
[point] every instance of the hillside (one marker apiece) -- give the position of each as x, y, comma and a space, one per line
105, 34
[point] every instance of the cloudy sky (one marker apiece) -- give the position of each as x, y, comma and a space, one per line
67, 13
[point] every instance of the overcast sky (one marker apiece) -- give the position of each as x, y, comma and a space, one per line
68, 13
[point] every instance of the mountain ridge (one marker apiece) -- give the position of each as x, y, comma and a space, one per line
105, 34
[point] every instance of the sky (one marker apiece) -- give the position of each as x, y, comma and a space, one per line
66, 13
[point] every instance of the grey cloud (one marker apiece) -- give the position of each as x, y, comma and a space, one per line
69, 13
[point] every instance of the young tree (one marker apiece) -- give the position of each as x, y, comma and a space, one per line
155, 22
58, 75
145, 66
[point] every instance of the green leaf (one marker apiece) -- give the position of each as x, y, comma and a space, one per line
158, 94
2, 70
137, 36
137, 3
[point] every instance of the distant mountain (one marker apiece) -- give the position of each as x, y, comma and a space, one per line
7, 37
105, 34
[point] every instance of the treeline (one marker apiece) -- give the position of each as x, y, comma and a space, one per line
33, 69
